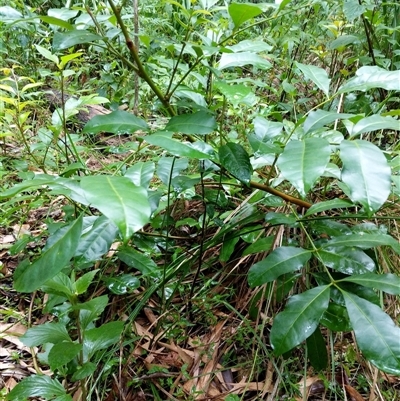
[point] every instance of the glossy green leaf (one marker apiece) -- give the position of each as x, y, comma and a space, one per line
274, 218
47, 54
96, 240
64, 40
101, 337
199, 123
346, 260
117, 122
261, 245
241, 13
316, 350
237, 93
62, 353
228, 247
38, 386
123, 284
319, 118
91, 310
52, 332
138, 261
299, 319
175, 147
83, 282
377, 335
120, 200
389, 283
170, 167
60, 285
51, 261
369, 77
373, 123
336, 318
236, 160
303, 162
228, 60
366, 173
328, 205
37, 182
282, 260
56, 22
141, 173
363, 241
83, 371
317, 75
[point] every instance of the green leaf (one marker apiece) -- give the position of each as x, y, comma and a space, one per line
64, 40
123, 284
170, 167
62, 353
282, 260
101, 337
336, 318
57, 22
374, 123
299, 319
241, 13
320, 118
120, 200
261, 245
82, 284
51, 261
363, 241
236, 160
228, 246
370, 77
52, 332
60, 284
346, 260
83, 371
366, 173
199, 123
96, 240
47, 54
328, 205
389, 283
303, 162
228, 60
117, 122
37, 386
175, 147
237, 93
89, 311
317, 75
376, 334
141, 173
316, 350
138, 261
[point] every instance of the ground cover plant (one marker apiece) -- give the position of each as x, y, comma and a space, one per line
199, 200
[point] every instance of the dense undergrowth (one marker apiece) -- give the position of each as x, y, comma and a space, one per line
199, 200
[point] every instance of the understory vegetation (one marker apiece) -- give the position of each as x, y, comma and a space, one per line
199, 200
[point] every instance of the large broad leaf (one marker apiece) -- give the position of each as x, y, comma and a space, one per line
138, 261
303, 162
124, 203
316, 349
170, 167
389, 283
328, 205
236, 160
237, 93
38, 386
376, 334
51, 261
117, 122
64, 40
101, 337
53, 332
369, 77
319, 118
299, 319
241, 13
282, 260
141, 173
175, 147
373, 123
96, 240
363, 241
366, 173
317, 75
199, 123
346, 260
62, 353
241, 59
